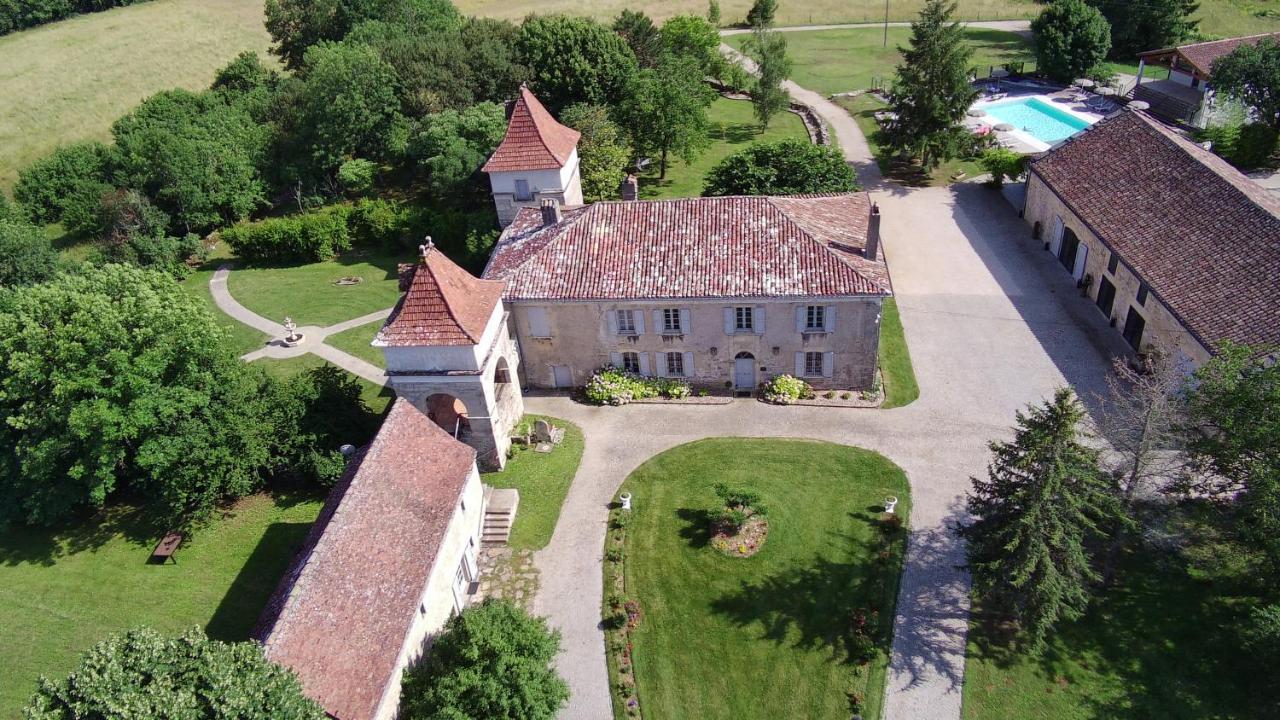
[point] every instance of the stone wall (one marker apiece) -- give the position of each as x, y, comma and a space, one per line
581, 340
1162, 326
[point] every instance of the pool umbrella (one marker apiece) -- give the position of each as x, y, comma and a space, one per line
1139, 104
1083, 83
1106, 91
1004, 127
977, 112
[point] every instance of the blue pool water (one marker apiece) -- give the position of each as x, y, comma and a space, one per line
1038, 118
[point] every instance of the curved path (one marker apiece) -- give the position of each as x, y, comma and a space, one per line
992, 324
313, 336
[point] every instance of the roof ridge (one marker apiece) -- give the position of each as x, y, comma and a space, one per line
770, 200
525, 97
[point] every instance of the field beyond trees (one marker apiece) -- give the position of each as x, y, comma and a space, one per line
70, 80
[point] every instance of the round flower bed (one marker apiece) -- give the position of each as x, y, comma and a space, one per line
741, 541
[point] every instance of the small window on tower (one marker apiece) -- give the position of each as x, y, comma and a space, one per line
522, 190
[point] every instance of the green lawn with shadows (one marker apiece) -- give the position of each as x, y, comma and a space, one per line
356, 342
377, 397
733, 127
309, 293
62, 591
543, 480
766, 636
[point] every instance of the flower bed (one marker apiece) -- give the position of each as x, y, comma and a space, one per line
786, 389
743, 541
621, 616
611, 386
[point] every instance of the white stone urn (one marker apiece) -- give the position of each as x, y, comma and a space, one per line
890, 503
625, 499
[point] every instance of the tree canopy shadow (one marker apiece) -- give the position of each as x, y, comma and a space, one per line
45, 545
816, 605
696, 526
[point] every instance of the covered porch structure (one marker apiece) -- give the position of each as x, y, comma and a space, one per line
1184, 94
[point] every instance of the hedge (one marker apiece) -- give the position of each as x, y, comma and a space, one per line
309, 237
22, 14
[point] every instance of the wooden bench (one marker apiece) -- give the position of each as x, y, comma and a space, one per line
167, 546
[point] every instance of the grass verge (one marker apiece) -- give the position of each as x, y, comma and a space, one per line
733, 127
899, 376
62, 591
712, 627
833, 61
309, 293
543, 480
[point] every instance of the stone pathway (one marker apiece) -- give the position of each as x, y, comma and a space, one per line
313, 336
507, 574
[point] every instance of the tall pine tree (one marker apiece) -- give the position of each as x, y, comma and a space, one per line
1044, 500
932, 92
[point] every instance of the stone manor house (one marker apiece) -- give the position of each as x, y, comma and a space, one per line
723, 292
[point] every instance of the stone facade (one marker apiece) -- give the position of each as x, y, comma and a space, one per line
563, 343
483, 377
446, 591
1047, 212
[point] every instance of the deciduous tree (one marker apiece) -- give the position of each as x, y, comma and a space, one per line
603, 153
1250, 74
1138, 25
1072, 38
769, 48
1043, 501
665, 111
574, 59
450, 147
66, 185
786, 167
116, 377
144, 675
931, 92
695, 38
1235, 445
26, 255
492, 661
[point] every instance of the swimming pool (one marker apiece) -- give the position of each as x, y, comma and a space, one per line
1037, 118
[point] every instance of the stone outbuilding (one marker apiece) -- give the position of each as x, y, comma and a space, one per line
448, 350
391, 557
1174, 246
536, 162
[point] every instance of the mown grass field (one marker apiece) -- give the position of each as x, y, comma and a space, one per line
763, 637
70, 80
309, 293
790, 12
356, 342
63, 591
733, 128
832, 61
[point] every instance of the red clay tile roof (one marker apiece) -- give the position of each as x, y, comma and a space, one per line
444, 305
1205, 238
809, 245
1201, 55
341, 612
534, 140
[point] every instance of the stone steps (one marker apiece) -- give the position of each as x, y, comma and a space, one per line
499, 515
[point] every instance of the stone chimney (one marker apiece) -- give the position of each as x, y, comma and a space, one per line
873, 234
550, 212
630, 188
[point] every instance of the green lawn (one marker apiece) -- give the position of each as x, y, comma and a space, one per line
378, 398
70, 80
832, 61
308, 293
243, 338
61, 592
762, 637
733, 128
900, 386
356, 341
863, 109
734, 11
543, 481
1157, 647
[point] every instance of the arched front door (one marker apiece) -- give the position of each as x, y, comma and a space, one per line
744, 371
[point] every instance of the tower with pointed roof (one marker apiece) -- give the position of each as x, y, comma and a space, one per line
537, 161
449, 351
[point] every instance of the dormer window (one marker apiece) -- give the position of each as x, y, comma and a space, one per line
522, 190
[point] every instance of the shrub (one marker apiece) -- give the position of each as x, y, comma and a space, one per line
131, 230
65, 186
379, 223
357, 176
1244, 145
493, 660
26, 255
1072, 39
1002, 163
785, 167
1261, 635
740, 498
144, 675
611, 386
309, 237
730, 520
786, 389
